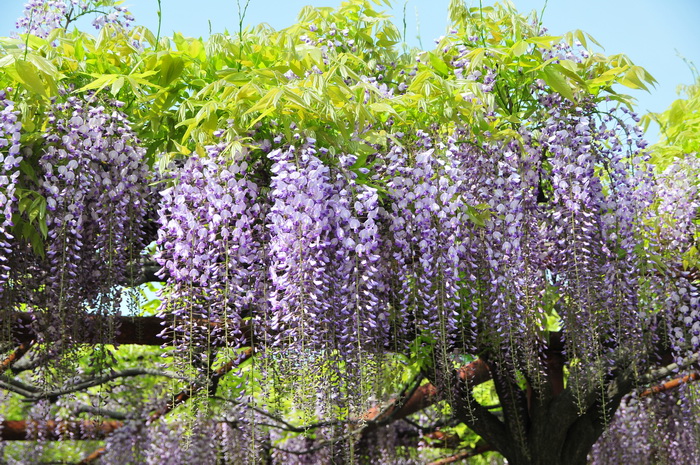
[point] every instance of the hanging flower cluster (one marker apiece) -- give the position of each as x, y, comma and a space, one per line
480, 232
474, 243
41, 17
95, 177
91, 196
324, 247
594, 223
427, 226
10, 158
676, 232
658, 428
210, 248
95, 185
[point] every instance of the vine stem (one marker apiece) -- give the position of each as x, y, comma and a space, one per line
160, 23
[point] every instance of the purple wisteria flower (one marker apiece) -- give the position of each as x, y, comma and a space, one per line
10, 158
651, 430
300, 222
209, 247
41, 17
94, 178
677, 230
90, 194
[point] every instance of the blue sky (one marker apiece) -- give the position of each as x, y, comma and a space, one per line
652, 33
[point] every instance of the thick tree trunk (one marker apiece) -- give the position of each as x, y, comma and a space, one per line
548, 426
550, 435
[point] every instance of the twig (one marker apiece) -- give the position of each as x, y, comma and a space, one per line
626, 381
17, 387
320, 445
96, 454
186, 393
423, 396
285, 425
183, 396
160, 22
33, 393
83, 408
441, 439
382, 415
16, 430
142, 330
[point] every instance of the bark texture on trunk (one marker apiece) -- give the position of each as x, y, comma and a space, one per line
547, 425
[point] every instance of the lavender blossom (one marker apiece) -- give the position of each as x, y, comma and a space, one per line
10, 158
40, 18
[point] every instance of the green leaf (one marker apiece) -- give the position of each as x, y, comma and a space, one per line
556, 80
29, 76
635, 78
26, 168
170, 69
116, 86
270, 99
43, 65
6, 61
608, 76
23, 203
478, 215
553, 322
383, 107
519, 48
543, 41
99, 83
37, 209
438, 64
32, 236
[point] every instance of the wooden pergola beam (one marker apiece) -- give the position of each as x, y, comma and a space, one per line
55, 430
141, 330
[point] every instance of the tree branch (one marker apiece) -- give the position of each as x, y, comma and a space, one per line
143, 272
188, 392
423, 396
18, 387
661, 373
83, 408
672, 384
463, 455
15, 356
181, 397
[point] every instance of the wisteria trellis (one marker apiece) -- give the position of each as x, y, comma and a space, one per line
504, 227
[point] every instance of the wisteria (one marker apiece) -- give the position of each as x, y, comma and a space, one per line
428, 225
329, 235
657, 427
41, 17
91, 195
10, 136
678, 203
329, 228
210, 236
